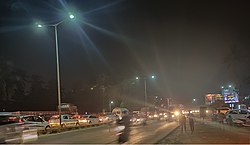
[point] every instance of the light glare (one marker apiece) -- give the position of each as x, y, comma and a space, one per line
71, 16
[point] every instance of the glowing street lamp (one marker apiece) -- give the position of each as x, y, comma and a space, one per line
110, 105
39, 26
71, 16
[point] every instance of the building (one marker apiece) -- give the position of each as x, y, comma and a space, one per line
69, 108
212, 98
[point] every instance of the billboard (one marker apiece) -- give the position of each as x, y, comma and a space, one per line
211, 98
230, 96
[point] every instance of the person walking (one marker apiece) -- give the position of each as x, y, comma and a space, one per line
125, 121
191, 121
183, 122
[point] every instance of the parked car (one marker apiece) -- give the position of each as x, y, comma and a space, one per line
237, 116
92, 119
66, 120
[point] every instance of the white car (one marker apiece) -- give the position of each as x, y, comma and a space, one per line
237, 115
91, 119
35, 122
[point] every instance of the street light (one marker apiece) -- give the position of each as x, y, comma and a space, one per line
110, 105
71, 16
39, 26
145, 88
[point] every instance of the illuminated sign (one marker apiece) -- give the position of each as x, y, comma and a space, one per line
230, 96
211, 98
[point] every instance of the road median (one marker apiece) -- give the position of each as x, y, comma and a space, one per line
208, 133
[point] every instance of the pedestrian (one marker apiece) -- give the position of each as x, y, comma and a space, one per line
221, 117
191, 121
230, 120
183, 122
125, 121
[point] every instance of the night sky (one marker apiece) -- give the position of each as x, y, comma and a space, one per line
182, 42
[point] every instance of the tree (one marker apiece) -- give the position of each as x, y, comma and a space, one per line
9, 83
37, 94
20, 91
51, 95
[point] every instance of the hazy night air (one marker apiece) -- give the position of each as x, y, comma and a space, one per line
184, 43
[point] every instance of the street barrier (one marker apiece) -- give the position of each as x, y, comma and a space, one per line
29, 135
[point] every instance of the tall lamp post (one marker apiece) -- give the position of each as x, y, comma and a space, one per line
71, 16
145, 88
110, 105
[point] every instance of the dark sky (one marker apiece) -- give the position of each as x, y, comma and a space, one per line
182, 42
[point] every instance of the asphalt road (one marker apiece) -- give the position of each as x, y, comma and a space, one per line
151, 133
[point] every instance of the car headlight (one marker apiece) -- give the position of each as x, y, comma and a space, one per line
176, 113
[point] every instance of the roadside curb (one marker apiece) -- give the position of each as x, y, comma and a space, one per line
160, 140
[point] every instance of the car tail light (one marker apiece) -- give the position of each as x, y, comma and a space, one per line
20, 121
